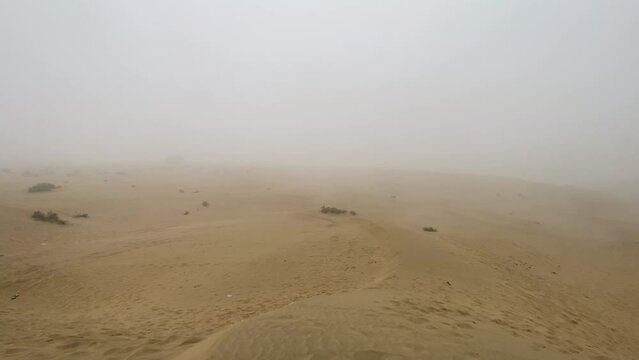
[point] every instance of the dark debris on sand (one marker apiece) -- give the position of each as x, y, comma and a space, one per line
48, 217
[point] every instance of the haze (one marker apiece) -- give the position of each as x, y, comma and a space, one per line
540, 90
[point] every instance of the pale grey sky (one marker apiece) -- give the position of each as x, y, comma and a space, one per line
544, 90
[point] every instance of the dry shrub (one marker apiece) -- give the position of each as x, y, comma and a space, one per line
48, 217
335, 211
42, 187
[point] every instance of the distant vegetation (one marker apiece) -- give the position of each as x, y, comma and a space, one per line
42, 187
335, 211
81, 215
205, 203
429, 229
48, 217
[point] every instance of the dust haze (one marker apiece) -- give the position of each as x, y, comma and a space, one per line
544, 91
356, 180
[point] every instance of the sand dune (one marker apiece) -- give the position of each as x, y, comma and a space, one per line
517, 270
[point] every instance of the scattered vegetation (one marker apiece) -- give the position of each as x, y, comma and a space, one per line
42, 187
335, 211
48, 217
205, 203
429, 229
83, 215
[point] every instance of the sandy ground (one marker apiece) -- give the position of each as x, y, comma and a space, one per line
518, 270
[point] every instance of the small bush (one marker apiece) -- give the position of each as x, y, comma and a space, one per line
429, 229
186, 212
83, 215
205, 203
48, 217
335, 211
42, 187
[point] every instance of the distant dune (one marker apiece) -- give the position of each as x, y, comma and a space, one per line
517, 270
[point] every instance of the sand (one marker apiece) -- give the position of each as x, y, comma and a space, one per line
517, 270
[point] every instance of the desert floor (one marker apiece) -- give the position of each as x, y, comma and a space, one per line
517, 270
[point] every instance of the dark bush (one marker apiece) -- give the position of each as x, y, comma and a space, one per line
205, 203
83, 215
42, 187
48, 217
429, 229
335, 211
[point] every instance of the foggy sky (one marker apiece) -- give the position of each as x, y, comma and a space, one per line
544, 90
